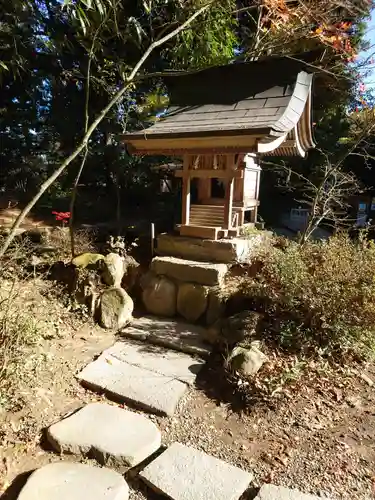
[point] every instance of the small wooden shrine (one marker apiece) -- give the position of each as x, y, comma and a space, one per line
220, 121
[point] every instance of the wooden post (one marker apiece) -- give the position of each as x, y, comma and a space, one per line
185, 218
152, 239
185, 200
255, 211
228, 203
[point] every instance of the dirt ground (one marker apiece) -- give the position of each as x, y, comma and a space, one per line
320, 440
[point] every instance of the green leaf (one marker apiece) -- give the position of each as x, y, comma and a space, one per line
82, 19
100, 6
138, 28
147, 6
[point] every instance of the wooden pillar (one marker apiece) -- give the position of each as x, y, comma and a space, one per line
228, 203
185, 217
185, 200
255, 211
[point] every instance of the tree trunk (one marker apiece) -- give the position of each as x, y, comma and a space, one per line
73, 201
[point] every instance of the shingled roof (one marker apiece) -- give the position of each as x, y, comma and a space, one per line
270, 99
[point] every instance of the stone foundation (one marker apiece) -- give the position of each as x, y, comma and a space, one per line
187, 277
224, 250
190, 289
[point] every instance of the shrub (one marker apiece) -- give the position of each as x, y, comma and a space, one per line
60, 238
19, 331
319, 297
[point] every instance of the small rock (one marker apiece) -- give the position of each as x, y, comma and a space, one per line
113, 269
367, 379
353, 401
73, 481
247, 361
116, 308
191, 301
88, 259
160, 296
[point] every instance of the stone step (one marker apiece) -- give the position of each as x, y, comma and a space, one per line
224, 250
111, 435
171, 334
146, 376
203, 273
65, 480
272, 492
184, 473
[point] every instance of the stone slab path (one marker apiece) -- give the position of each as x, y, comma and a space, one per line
150, 377
184, 473
168, 333
272, 492
64, 480
112, 435
151, 372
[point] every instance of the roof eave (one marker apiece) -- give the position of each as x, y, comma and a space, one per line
129, 138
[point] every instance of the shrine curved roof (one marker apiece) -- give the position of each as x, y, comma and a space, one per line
267, 99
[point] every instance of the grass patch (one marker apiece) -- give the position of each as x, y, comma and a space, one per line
19, 334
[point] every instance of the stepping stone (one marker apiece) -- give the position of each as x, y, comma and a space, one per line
147, 376
65, 480
172, 334
111, 435
184, 473
272, 492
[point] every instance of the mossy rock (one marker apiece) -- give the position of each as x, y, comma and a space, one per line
87, 260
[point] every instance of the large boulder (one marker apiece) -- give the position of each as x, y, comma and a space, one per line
159, 295
116, 308
247, 361
191, 301
216, 307
120, 270
113, 269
